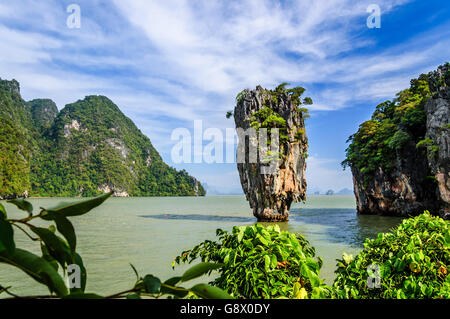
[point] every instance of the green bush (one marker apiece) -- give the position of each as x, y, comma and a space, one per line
378, 141
269, 119
398, 140
262, 262
412, 262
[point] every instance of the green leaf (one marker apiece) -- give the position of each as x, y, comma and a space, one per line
79, 261
296, 288
172, 281
267, 263
301, 294
54, 245
65, 227
304, 270
76, 208
22, 204
37, 268
262, 240
7, 245
240, 235
46, 255
200, 270
226, 259
3, 214
209, 292
312, 264
176, 291
314, 279
273, 262
151, 284
133, 296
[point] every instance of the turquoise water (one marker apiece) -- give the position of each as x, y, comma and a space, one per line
150, 232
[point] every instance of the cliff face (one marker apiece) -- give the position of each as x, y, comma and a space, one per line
43, 112
407, 170
407, 190
87, 148
271, 187
437, 109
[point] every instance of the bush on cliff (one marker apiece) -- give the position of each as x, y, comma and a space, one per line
262, 262
411, 262
380, 140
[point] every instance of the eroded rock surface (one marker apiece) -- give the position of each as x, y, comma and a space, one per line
437, 109
271, 195
420, 179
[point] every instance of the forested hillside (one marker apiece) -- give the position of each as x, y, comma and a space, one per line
87, 148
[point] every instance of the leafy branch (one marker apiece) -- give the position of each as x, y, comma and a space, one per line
60, 251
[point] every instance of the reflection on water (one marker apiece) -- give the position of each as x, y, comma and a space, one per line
212, 218
342, 225
345, 225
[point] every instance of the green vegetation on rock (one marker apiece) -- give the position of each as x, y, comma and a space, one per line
393, 125
269, 119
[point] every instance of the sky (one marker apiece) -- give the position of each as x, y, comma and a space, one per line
169, 63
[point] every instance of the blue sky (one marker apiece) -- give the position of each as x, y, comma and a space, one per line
168, 63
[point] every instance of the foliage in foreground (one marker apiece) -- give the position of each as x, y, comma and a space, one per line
412, 262
61, 252
253, 262
262, 262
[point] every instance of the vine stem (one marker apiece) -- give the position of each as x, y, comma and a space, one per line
23, 230
119, 294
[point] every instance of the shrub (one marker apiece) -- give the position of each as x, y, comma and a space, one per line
412, 262
393, 124
262, 262
398, 140
269, 119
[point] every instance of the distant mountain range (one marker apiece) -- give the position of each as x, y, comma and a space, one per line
344, 191
89, 147
223, 191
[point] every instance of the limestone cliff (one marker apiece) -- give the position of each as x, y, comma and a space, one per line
400, 158
271, 186
437, 109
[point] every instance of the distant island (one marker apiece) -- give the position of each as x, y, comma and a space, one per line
344, 191
87, 148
